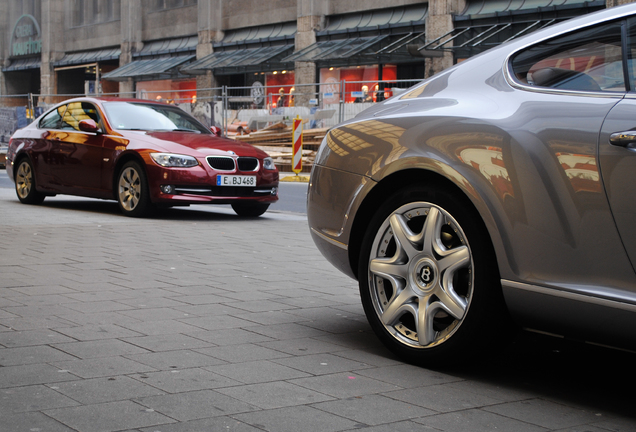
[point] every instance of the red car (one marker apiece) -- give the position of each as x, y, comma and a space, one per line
140, 153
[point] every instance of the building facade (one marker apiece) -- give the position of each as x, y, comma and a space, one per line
148, 48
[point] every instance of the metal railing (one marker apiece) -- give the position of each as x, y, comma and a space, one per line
236, 110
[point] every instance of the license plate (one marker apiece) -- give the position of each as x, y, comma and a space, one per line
235, 180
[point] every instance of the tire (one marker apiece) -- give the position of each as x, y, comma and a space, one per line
425, 247
132, 191
25, 183
250, 210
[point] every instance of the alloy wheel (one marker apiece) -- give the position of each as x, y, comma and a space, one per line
420, 275
24, 180
129, 189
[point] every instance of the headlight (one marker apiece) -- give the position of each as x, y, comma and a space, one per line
268, 163
174, 160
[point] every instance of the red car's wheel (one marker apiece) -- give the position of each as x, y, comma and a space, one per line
250, 210
133, 195
25, 183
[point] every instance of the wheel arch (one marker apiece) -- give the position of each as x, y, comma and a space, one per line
19, 156
121, 161
458, 186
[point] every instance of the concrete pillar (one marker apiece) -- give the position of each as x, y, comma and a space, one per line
52, 27
5, 42
310, 17
131, 39
612, 3
439, 22
210, 30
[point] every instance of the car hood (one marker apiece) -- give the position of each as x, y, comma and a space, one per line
189, 143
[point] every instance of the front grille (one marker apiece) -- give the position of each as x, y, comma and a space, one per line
221, 163
247, 164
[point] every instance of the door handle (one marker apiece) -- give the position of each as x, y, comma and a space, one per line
625, 139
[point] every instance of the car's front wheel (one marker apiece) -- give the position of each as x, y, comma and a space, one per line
133, 195
250, 209
25, 183
428, 278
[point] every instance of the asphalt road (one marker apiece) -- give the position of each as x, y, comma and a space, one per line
292, 195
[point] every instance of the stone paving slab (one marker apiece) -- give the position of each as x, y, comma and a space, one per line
198, 320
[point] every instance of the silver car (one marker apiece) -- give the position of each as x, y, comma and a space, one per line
500, 192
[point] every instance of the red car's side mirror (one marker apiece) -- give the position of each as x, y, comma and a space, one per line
216, 130
88, 125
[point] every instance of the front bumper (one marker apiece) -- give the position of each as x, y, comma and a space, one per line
197, 185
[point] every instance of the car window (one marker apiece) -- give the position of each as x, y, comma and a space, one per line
76, 112
586, 60
52, 119
150, 117
631, 53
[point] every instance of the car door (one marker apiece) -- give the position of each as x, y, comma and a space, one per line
42, 148
77, 154
575, 81
617, 155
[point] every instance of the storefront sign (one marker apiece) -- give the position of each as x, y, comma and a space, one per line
26, 38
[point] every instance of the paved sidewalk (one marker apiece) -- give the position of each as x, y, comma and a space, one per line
198, 320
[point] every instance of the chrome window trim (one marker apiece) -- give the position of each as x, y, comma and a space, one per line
507, 65
614, 304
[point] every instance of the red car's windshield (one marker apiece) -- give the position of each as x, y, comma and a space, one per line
151, 117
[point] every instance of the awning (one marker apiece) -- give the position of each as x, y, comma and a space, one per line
485, 24
146, 67
238, 58
335, 49
23, 64
486, 7
85, 57
169, 46
372, 37
248, 35
376, 19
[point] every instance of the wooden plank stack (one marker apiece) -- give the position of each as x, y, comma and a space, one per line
276, 140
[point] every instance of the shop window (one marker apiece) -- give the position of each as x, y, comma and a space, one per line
362, 83
588, 60
170, 91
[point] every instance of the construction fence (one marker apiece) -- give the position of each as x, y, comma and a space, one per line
258, 115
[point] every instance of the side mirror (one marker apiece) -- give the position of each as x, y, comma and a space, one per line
88, 125
216, 130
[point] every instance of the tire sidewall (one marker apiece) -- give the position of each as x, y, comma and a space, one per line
469, 337
250, 209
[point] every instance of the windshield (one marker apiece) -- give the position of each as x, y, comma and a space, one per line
150, 117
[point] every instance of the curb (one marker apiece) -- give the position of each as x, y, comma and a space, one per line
295, 178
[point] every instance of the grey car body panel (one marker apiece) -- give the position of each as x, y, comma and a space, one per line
529, 160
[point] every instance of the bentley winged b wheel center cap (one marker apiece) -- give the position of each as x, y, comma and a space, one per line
425, 274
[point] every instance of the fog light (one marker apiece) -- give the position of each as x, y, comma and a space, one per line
274, 191
167, 189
